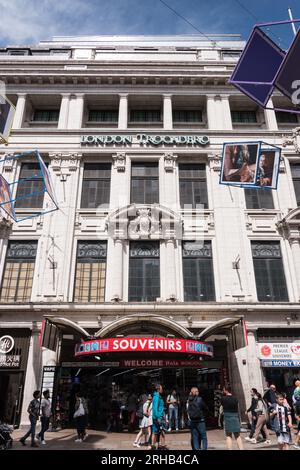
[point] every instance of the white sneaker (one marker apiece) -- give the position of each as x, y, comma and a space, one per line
268, 441
296, 446
136, 444
247, 438
177, 429
78, 440
85, 437
253, 440
43, 442
169, 430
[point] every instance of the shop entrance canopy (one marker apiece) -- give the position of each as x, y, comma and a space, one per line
236, 327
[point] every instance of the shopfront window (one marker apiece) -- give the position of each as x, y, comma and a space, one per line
144, 183
18, 272
192, 185
269, 272
96, 185
259, 199
90, 271
30, 182
198, 276
144, 272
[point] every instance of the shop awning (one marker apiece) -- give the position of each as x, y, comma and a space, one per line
234, 326
51, 327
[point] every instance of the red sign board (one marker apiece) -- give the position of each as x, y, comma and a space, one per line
117, 345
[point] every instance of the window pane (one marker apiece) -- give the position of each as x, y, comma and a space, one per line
46, 115
259, 199
269, 272
286, 118
96, 186
239, 117
145, 115
30, 191
90, 272
187, 116
18, 272
144, 183
296, 180
144, 272
198, 274
103, 115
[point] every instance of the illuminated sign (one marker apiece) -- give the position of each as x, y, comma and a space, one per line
279, 351
112, 345
145, 139
6, 344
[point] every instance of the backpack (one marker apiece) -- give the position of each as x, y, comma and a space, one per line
195, 411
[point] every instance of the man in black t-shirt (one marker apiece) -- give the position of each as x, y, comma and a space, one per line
196, 410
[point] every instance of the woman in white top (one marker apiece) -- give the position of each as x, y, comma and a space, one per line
146, 423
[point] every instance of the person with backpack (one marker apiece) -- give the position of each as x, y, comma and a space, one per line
146, 423
81, 416
253, 415
158, 418
232, 423
262, 414
196, 409
283, 423
33, 411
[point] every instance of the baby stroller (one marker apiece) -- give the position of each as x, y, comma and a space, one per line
5, 438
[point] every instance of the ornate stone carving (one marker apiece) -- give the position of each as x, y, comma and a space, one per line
8, 165
119, 161
5, 228
65, 161
144, 222
144, 225
169, 161
215, 162
294, 139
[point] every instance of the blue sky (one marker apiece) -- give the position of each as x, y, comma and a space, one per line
29, 21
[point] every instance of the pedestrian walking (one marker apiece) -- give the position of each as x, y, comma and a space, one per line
80, 416
270, 397
33, 411
232, 423
173, 402
159, 425
45, 416
262, 414
252, 414
132, 409
296, 406
282, 422
196, 410
146, 423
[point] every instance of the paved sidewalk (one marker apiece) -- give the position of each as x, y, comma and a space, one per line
64, 440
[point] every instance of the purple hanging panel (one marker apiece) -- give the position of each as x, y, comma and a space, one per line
290, 69
259, 63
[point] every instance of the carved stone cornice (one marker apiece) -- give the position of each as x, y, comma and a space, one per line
66, 161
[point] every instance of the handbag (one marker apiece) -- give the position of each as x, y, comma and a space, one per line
80, 411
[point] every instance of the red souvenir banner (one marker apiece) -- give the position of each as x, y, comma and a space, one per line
170, 345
